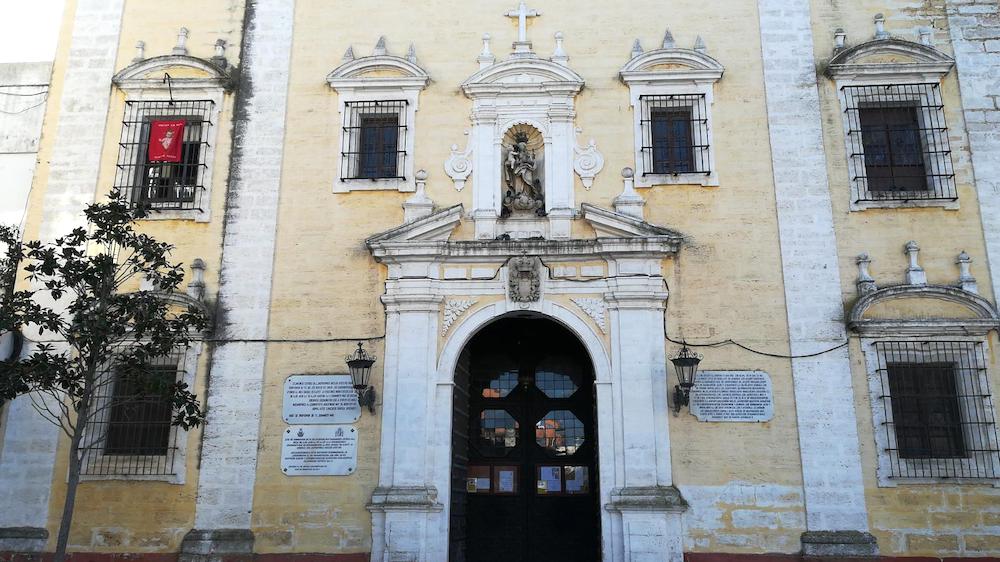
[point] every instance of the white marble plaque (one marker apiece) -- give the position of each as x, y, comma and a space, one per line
732, 396
320, 399
319, 450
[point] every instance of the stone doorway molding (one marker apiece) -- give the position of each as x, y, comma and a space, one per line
640, 508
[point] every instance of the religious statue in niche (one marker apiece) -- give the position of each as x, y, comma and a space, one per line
522, 170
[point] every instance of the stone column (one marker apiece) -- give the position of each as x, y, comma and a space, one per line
405, 505
975, 37
30, 442
229, 447
644, 496
836, 516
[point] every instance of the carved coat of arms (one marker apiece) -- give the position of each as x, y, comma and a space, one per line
525, 279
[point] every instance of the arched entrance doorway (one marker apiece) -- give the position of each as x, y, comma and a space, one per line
524, 447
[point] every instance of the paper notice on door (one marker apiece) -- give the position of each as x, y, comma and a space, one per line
550, 479
505, 481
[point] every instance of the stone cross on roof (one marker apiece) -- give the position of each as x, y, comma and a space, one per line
522, 13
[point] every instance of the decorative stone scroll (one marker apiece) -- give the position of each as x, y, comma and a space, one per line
324, 450
588, 162
458, 166
732, 396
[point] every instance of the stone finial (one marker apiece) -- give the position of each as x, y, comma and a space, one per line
559, 55
839, 39
915, 275
181, 47
486, 57
411, 54
866, 284
196, 288
219, 58
379, 49
668, 40
418, 205
926, 36
348, 55
629, 202
699, 45
880, 32
140, 51
636, 48
965, 279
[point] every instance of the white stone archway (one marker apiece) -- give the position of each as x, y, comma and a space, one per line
620, 324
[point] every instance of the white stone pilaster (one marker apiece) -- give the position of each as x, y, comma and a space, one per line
975, 36
646, 505
229, 449
405, 505
828, 437
29, 445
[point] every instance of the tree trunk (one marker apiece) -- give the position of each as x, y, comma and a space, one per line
75, 463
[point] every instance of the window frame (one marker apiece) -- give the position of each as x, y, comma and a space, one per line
187, 366
851, 101
143, 90
699, 113
353, 137
883, 415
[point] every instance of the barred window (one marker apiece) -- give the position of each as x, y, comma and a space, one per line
374, 140
938, 413
130, 430
675, 134
164, 185
898, 143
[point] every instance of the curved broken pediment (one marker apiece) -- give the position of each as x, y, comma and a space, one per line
887, 58
185, 72
672, 64
524, 75
387, 70
923, 309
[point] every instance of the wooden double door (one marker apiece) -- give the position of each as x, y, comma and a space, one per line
530, 476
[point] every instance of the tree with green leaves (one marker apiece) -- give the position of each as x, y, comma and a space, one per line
86, 329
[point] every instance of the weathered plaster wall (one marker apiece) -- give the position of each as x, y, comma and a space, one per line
23, 93
952, 519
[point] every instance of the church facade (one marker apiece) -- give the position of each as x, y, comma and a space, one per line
528, 221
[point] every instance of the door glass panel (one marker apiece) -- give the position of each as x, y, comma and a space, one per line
497, 432
549, 480
501, 385
555, 385
560, 433
577, 479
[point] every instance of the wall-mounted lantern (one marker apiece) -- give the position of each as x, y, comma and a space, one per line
360, 363
686, 366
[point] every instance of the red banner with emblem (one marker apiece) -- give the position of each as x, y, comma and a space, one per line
166, 138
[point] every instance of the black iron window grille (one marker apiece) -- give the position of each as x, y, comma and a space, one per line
939, 417
374, 140
130, 430
675, 134
164, 186
898, 143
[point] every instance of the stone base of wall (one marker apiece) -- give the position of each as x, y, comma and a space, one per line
150, 557
713, 557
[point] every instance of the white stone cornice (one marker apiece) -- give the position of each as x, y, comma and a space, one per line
895, 59
613, 224
144, 74
518, 77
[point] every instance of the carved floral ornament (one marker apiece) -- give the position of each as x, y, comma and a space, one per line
974, 315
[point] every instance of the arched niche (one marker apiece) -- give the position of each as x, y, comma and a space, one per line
540, 93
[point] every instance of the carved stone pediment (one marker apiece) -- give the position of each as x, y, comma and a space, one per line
889, 59
941, 310
609, 224
436, 227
